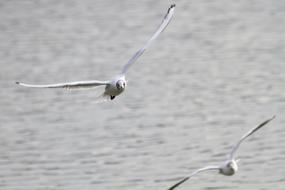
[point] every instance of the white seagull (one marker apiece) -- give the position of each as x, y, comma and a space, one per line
118, 84
229, 167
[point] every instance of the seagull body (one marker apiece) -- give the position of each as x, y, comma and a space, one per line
115, 87
229, 167
118, 84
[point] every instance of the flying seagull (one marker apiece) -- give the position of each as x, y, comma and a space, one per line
229, 167
118, 84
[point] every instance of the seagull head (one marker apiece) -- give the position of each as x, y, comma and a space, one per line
229, 168
233, 165
121, 84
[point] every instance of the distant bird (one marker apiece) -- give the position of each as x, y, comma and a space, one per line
229, 167
118, 84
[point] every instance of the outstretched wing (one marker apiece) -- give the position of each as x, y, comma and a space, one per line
248, 134
191, 175
68, 85
162, 26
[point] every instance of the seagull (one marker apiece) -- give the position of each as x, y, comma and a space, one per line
229, 167
118, 84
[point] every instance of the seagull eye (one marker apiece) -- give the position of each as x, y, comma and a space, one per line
118, 85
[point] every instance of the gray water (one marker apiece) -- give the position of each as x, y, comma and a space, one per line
215, 72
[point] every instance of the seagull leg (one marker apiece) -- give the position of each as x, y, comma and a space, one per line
112, 97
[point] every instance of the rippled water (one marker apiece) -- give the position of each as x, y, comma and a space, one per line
217, 71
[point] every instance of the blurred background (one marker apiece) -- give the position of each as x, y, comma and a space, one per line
215, 72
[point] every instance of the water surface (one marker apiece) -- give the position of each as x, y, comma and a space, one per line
217, 71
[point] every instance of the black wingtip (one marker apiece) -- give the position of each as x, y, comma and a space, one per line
171, 7
264, 123
179, 183
17, 82
267, 121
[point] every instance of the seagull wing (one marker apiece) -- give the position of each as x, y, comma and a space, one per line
68, 85
162, 26
191, 175
248, 134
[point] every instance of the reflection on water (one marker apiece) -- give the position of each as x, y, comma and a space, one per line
216, 71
